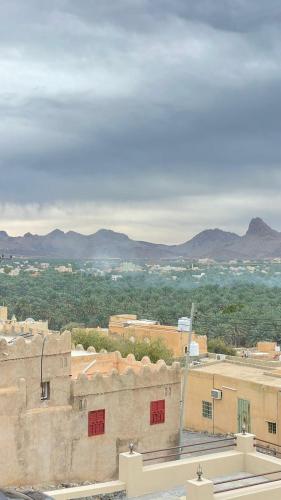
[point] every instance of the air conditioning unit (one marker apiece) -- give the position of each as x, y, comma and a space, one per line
216, 394
220, 357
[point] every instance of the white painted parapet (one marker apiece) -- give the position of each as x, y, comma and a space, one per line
138, 479
131, 472
142, 480
245, 443
202, 489
87, 491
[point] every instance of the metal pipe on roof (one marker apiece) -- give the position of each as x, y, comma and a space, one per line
89, 366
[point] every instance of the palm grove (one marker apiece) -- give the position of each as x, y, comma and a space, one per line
238, 315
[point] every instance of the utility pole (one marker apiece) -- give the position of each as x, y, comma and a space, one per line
185, 375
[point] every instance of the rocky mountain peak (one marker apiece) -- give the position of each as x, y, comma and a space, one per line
258, 227
110, 235
56, 233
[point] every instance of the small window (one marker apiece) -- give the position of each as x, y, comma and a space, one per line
96, 422
45, 391
168, 390
207, 409
157, 412
185, 349
271, 427
83, 404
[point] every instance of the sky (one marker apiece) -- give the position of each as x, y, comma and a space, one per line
156, 118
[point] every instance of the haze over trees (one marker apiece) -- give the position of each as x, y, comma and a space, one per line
241, 314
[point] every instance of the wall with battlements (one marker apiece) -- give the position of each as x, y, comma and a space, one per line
125, 395
46, 441
14, 327
29, 426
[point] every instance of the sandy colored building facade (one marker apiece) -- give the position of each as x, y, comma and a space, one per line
65, 417
244, 393
266, 346
14, 327
267, 350
128, 326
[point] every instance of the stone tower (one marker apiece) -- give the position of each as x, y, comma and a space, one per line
3, 313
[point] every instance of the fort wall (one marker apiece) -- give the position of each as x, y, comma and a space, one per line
47, 441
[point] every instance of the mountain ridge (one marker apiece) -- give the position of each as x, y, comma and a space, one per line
259, 241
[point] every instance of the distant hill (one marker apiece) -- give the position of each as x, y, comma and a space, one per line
102, 244
260, 241
208, 243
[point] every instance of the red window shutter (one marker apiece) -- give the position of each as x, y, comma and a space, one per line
96, 422
157, 412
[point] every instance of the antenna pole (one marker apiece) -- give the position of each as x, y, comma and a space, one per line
185, 377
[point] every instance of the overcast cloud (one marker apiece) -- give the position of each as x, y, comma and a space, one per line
158, 118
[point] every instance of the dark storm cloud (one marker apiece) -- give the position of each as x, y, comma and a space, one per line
139, 101
236, 15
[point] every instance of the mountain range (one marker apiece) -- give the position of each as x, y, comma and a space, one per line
260, 241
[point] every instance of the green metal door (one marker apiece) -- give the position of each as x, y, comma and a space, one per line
243, 415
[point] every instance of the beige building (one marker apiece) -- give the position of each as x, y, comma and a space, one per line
66, 417
128, 326
266, 346
223, 395
14, 327
267, 350
64, 269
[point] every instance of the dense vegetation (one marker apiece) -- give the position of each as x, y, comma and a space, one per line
219, 346
155, 350
240, 314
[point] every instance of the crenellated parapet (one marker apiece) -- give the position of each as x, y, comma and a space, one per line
136, 374
50, 344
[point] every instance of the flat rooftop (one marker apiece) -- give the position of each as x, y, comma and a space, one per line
140, 322
262, 375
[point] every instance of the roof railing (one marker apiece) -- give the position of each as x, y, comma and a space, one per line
248, 485
199, 443
186, 449
267, 442
247, 477
267, 446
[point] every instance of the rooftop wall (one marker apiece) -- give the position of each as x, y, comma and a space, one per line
266, 346
54, 343
132, 374
11, 327
122, 317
